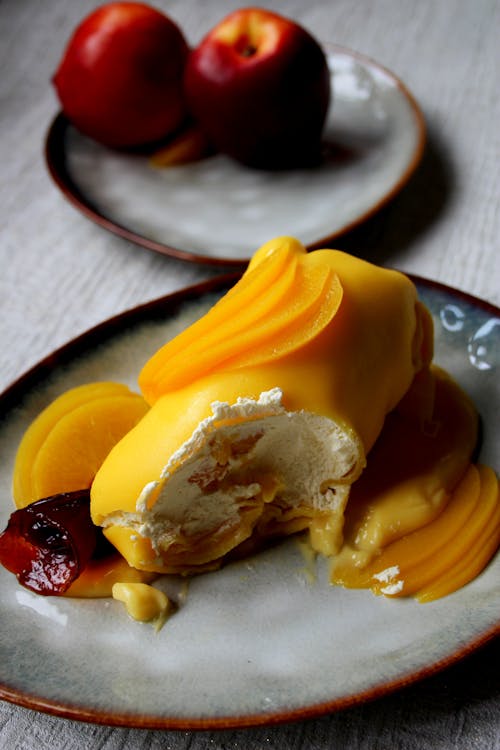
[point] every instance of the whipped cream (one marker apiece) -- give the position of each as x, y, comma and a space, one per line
243, 456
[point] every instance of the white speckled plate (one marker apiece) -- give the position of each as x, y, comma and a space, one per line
256, 642
216, 211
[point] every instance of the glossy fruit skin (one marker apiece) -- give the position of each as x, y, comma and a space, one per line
120, 78
259, 85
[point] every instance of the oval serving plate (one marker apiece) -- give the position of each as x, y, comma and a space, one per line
257, 642
216, 211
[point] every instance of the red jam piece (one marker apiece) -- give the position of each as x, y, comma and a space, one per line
48, 543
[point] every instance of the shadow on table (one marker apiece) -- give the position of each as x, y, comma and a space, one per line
410, 213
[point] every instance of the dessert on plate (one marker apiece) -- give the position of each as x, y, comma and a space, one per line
264, 411
305, 400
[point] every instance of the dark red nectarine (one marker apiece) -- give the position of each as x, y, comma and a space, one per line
259, 85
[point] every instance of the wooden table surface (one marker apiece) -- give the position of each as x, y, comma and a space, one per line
61, 274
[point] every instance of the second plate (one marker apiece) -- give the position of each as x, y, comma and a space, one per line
216, 211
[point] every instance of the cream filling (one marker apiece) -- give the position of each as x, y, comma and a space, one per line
241, 457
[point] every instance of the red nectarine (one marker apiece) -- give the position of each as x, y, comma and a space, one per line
259, 85
120, 79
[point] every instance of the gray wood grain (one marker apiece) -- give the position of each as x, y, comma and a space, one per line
60, 274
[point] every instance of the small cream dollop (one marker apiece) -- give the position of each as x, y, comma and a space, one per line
390, 577
143, 602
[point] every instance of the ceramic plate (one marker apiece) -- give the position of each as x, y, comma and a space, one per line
216, 211
256, 642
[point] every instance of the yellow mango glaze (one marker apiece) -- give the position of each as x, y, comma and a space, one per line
339, 336
143, 602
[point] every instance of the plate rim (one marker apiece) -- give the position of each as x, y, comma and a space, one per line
167, 304
55, 160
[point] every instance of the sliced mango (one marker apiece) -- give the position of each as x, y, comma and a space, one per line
252, 299
415, 548
452, 544
307, 315
472, 554
278, 305
210, 347
189, 146
292, 326
39, 429
444, 555
413, 467
78, 443
415, 554
421, 516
